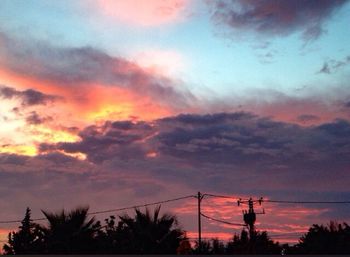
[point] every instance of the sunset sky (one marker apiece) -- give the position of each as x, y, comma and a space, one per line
114, 103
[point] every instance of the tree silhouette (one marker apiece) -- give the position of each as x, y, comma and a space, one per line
331, 239
185, 247
70, 233
110, 240
212, 246
149, 234
260, 243
28, 239
152, 233
239, 244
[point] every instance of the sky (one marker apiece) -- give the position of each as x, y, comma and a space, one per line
116, 103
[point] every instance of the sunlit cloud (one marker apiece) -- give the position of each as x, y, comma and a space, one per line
162, 61
29, 150
93, 82
142, 13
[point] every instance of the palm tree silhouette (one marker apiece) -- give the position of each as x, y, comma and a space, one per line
148, 234
70, 232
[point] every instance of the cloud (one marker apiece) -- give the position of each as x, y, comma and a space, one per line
55, 178
28, 97
162, 61
332, 66
325, 101
305, 118
228, 153
325, 68
82, 70
35, 119
122, 139
142, 13
273, 17
233, 142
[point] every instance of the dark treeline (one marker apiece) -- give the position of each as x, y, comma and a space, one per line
151, 233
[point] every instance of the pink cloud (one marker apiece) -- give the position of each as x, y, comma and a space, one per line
162, 62
143, 13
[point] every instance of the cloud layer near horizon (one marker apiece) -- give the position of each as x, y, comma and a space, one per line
239, 142
228, 153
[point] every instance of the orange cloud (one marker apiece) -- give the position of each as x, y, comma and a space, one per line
91, 102
111, 103
82, 106
142, 13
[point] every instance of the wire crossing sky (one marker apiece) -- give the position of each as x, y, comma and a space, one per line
104, 103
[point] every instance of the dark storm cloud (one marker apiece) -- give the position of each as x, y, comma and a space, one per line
83, 65
28, 97
275, 17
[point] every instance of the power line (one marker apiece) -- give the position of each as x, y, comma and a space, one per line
281, 201
222, 221
114, 210
143, 205
17, 221
221, 196
307, 202
193, 196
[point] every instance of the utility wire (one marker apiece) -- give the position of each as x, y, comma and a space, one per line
192, 196
222, 221
282, 201
114, 210
221, 196
307, 202
17, 221
143, 205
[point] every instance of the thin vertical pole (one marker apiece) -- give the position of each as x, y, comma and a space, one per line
199, 197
